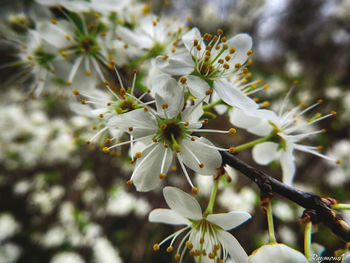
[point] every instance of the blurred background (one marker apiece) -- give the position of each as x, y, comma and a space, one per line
63, 201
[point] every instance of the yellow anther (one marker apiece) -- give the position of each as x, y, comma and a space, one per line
166, 3
245, 70
126, 46
129, 182
130, 129
101, 115
232, 131
108, 104
206, 58
295, 82
138, 155
154, 22
108, 141
249, 52
223, 39
177, 148
211, 255
132, 161
238, 65
232, 149
217, 47
87, 142
173, 50
122, 91
219, 32
256, 99
201, 241
334, 112
88, 73
76, 92
155, 247
193, 139
195, 42
166, 145
208, 92
232, 50
199, 47
29, 57
68, 37
201, 165
54, 21
177, 256
165, 105
106, 83
259, 80
120, 21
323, 130
194, 191
226, 66
250, 62
221, 61
145, 109
266, 86
338, 162
155, 140
94, 127
207, 37
161, 176
320, 101
265, 104
64, 53
83, 101
174, 168
183, 80
227, 58
163, 126
165, 57
189, 245
205, 121
169, 249
105, 149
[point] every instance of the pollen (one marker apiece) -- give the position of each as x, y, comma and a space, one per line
238, 65
161, 176
68, 37
129, 182
223, 39
94, 127
334, 112
105, 149
126, 46
232, 131
232, 50
165, 57
54, 21
83, 101
323, 130
101, 115
106, 83
232, 149
226, 66
155, 247
138, 155
338, 162
29, 57
188, 244
177, 256
130, 129
155, 140
183, 80
174, 168
145, 109
108, 141
194, 191
249, 52
170, 249
165, 105
195, 42
201, 165
221, 61
205, 121
76, 92
265, 104
193, 139
87, 142
163, 126
266, 86
108, 104
132, 161
208, 92
64, 53
320, 101
219, 32
122, 91
88, 73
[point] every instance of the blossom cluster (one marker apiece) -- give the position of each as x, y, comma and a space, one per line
183, 80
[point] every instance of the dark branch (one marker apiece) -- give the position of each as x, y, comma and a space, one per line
321, 207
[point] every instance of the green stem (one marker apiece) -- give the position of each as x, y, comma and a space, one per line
212, 105
253, 143
307, 241
272, 237
341, 206
210, 206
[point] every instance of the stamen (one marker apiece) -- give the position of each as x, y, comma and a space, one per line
184, 169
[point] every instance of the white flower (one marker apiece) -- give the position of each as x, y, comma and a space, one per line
207, 67
285, 131
153, 34
164, 133
207, 237
67, 257
277, 253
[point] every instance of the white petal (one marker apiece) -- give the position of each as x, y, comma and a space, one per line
190, 36
134, 38
173, 95
181, 64
158, 82
277, 253
146, 173
232, 96
242, 43
56, 34
211, 158
197, 87
265, 152
142, 122
233, 247
229, 220
288, 164
167, 216
182, 203
192, 114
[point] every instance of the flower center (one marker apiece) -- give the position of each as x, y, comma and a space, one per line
87, 44
172, 130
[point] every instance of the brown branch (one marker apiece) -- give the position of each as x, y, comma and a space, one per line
321, 208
